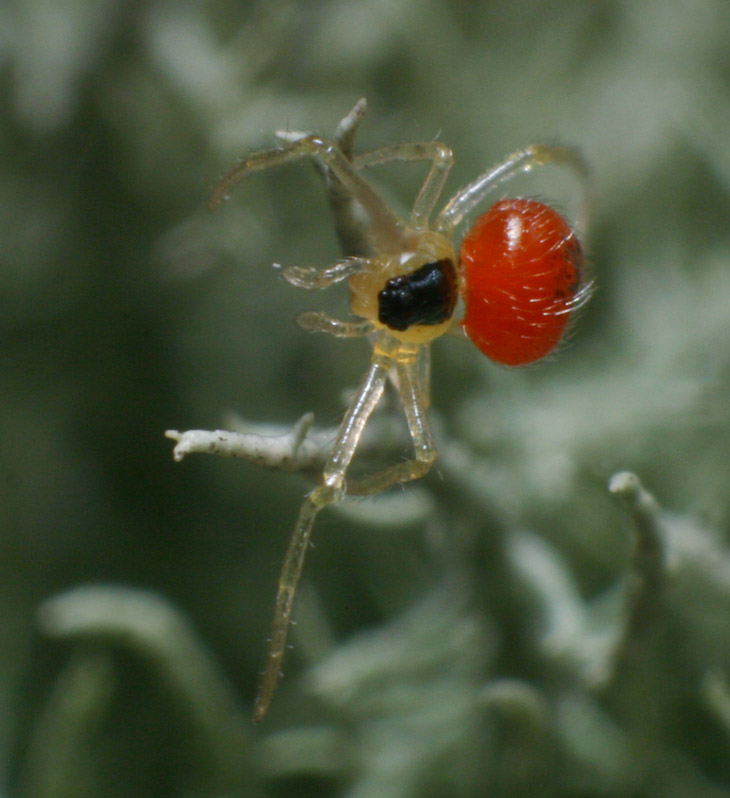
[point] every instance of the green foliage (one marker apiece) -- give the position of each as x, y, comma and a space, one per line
506, 627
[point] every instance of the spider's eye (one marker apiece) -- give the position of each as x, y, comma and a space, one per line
425, 296
523, 276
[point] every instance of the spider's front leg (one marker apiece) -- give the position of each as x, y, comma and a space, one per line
442, 159
386, 228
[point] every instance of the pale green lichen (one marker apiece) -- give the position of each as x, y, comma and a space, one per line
506, 627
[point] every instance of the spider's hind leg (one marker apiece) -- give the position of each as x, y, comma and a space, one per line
465, 200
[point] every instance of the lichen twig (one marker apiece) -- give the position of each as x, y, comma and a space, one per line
298, 449
148, 625
645, 590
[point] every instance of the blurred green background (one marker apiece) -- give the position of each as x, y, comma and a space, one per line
448, 636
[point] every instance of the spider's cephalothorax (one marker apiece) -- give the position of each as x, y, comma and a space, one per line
520, 275
412, 294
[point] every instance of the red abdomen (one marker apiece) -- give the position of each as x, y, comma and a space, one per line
522, 268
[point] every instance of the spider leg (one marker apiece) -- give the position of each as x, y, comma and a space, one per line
291, 570
441, 159
330, 491
351, 223
412, 371
313, 321
312, 278
386, 228
521, 161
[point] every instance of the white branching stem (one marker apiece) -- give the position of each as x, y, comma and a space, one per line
297, 449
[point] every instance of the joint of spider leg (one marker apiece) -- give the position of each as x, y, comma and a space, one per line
331, 491
320, 146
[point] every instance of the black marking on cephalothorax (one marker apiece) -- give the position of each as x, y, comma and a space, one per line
426, 296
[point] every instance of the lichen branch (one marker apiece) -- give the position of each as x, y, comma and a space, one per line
152, 628
645, 590
298, 449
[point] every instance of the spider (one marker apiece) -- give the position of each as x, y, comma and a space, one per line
519, 277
